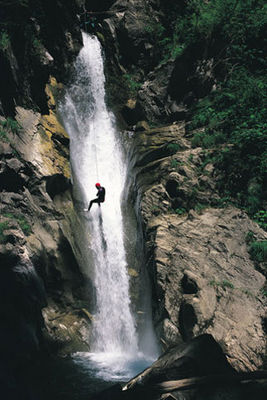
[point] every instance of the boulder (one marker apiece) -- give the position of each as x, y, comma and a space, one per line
197, 370
205, 282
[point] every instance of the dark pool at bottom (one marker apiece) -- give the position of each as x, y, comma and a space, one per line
53, 379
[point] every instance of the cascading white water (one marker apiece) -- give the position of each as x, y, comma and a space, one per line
96, 156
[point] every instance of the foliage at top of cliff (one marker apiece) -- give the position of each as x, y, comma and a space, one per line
232, 118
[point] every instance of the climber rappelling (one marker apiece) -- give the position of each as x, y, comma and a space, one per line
101, 192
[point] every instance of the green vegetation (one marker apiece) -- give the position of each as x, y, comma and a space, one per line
190, 158
174, 163
250, 237
10, 124
223, 202
21, 220
206, 140
231, 120
180, 211
173, 147
243, 130
6, 126
199, 207
224, 284
3, 136
132, 83
258, 251
261, 218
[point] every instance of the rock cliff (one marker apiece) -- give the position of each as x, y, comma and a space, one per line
44, 293
37, 244
204, 280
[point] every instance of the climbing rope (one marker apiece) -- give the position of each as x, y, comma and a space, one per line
96, 160
85, 28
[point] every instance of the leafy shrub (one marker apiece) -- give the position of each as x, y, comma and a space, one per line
10, 124
173, 147
258, 251
200, 207
180, 211
174, 163
234, 114
227, 284
261, 218
207, 140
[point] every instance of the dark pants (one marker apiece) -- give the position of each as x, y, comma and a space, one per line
94, 201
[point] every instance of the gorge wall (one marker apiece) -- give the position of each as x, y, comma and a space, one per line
197, 248
40, 263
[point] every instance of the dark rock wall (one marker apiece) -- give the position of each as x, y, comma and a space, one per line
41, 38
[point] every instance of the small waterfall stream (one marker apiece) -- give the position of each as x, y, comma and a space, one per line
96, 156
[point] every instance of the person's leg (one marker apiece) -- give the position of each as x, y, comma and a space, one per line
91, 203
100, 201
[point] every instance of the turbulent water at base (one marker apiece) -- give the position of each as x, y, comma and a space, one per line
96, 156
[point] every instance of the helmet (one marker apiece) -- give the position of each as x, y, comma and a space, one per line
97, 184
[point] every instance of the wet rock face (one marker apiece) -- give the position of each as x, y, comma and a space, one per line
203, 278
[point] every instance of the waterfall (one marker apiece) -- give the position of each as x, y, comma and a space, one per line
96, 156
